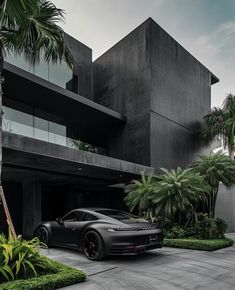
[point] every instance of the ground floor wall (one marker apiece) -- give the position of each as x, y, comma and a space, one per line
13, 191
32, 202
225, 206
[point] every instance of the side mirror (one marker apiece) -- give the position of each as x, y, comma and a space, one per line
59, 221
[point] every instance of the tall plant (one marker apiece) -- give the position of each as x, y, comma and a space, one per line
215, 168
139, 194
221, 122
30, 28
177, 193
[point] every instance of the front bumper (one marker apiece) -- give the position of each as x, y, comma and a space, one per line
132, 242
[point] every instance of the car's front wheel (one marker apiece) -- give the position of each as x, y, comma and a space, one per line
93, 245
43, 235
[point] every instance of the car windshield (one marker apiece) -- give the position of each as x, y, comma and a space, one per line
120, 215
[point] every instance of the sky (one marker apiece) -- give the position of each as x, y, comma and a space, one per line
206, 28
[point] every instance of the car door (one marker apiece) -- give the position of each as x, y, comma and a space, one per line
66, 230
74, 228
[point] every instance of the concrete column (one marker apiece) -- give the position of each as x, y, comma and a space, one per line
31, 207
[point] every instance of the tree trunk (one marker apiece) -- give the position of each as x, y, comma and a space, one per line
215, 194
2, 195
231, 148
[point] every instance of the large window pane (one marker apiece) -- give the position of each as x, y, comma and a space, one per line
17, 122
42, 70
60, 74
41, 129
18, 61
57, 134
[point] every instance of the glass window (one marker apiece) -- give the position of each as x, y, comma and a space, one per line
18, 60
41, 70
60, 74
74, 216
41, 129
120, 215
89, 217
17, 122
57, 133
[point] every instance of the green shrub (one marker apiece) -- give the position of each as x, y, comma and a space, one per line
21, 259
210, 228
176, 232
205, 228
63, 277
222, 226
203, 245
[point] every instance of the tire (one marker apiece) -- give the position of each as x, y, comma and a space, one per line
93, 246
43, 235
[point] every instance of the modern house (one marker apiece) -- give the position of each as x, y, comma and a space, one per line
139, 105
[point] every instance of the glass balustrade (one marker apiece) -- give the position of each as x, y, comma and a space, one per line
58, 74
24, 124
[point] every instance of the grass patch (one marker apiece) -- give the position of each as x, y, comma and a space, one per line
203, 245
63, 276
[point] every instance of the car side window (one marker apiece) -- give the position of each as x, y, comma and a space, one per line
74, 216
89, 217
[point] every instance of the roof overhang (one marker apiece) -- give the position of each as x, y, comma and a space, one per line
23, 156
214, 79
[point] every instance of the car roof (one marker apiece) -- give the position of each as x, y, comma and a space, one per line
93, 209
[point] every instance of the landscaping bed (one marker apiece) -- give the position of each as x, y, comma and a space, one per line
196, 244
63, 276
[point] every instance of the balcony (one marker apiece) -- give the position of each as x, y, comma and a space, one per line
89, 121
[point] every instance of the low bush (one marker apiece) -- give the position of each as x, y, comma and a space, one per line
203, 245
63, 277
205, 228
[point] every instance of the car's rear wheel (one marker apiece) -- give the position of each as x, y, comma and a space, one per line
93, 246
43, 235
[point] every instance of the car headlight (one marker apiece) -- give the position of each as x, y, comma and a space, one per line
111, 230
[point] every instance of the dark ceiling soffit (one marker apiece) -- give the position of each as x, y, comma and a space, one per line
214, 79
43, 151
53, 87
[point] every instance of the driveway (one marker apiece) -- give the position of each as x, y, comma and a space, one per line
163, 269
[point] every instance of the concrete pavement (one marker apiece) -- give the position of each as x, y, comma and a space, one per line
164, 269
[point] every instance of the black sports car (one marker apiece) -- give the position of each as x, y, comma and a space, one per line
98, 232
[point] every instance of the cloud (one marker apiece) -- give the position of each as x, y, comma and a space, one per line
216, 51
204, 27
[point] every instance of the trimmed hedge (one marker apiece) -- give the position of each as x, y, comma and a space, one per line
203, 245
64, 276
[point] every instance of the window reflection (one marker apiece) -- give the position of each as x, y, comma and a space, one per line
21, 123
58, 74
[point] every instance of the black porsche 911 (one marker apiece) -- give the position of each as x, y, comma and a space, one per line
98, 232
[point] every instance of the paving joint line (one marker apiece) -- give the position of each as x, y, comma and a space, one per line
100, 272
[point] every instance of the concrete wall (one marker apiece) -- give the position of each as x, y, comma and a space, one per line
83, 71
162, 90
122, 83
225, 206
180, 97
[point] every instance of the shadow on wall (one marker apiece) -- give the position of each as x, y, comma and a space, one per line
225, 206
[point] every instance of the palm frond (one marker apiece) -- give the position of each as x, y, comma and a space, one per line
30, 28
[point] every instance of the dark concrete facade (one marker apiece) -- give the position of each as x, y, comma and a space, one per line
162, 90
142, 102
84, 70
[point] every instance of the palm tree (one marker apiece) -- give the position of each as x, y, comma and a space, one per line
177, 193
29, 28
215, 168
221, 122
138, 194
